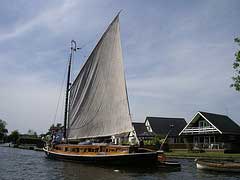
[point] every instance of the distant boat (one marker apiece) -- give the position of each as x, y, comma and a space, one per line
217, 165
99, 108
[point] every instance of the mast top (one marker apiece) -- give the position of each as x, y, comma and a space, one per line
74, 46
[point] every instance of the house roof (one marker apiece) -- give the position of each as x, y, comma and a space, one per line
141, 129
222, 122
161, 125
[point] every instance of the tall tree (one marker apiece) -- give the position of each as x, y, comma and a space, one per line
32, 133
2, 125
3, 130
13, 137
236, 67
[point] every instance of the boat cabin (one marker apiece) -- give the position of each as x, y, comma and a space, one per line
211, 131
90, 149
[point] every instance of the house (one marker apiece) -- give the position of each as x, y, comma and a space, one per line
140, 133
158, 126
211, 131
162, 126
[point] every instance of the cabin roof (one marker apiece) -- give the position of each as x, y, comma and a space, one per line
141, 129
161, 125
222, 122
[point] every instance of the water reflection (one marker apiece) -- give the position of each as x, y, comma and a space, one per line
76, 170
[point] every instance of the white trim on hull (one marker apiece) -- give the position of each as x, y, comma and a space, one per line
100, 155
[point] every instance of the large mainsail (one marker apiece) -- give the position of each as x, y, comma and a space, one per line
98, 97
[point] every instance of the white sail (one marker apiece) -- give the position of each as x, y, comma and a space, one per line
98, 97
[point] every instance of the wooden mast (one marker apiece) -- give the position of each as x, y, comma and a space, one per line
73, 49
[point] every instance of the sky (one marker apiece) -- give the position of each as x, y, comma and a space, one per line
178, 56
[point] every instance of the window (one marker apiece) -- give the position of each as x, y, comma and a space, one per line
201, 139
201, 123
195, 139
81, 150
212, 139
148, 126
96, 150
178, 140
206, 124
206, 139
75, 149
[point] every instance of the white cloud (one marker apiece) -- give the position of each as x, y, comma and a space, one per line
29, 103
50, 19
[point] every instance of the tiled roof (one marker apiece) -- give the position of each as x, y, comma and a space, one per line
141, 129
222, 122
161, 125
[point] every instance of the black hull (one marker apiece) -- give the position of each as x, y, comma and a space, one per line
132, 158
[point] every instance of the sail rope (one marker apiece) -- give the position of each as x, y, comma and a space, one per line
90, 41
63, 80
60, 94
64, 77
86, 44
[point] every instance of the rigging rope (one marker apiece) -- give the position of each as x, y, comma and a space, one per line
64, 77
60, 94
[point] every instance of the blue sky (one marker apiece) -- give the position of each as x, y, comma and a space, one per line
178, 56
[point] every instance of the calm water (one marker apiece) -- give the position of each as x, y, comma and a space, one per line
26, 164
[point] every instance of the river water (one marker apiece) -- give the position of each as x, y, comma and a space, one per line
27, 165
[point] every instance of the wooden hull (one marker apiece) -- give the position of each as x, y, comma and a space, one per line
218, 166
121, 159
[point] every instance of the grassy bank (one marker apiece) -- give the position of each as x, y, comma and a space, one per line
212, 155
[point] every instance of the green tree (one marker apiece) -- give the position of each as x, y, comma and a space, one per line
2, 125
32, 133
236, 67
3, 130
54, 128
13, 137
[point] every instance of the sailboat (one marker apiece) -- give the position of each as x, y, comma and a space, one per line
98, 107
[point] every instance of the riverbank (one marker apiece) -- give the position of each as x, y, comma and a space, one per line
209, 155
22, 146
